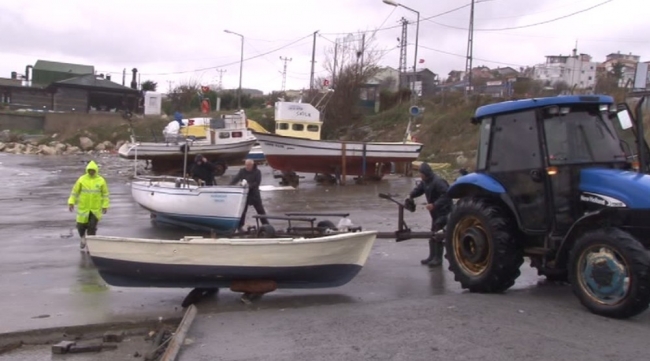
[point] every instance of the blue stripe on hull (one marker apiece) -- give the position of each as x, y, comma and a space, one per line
137, 274
256, 156
197, 222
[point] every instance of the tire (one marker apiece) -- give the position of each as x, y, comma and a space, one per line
492, 267
619, 249
325, 225
219, 169
266, 231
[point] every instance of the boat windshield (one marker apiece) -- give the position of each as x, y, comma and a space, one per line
583, 135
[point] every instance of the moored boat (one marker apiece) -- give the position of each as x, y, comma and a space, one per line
226, 140
182, 202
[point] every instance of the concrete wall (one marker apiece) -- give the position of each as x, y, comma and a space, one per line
22, 122
61, 122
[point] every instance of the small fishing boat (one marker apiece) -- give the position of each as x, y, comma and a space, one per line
224, 140
182, 202
207, 263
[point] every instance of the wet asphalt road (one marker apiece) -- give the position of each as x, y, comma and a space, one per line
395, 309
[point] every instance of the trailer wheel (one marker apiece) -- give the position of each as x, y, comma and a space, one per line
609, 272
481, 248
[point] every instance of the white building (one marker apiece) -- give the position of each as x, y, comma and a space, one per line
574, 70
387, 78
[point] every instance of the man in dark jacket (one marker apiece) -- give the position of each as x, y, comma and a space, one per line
203, 170
253, 177
439, 206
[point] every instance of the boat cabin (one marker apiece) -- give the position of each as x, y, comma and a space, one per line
224, 129
298, 120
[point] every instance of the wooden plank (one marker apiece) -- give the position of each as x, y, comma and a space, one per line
179, 336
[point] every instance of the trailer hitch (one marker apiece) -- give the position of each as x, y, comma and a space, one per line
403, 232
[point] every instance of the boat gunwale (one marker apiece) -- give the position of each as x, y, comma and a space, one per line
198, 240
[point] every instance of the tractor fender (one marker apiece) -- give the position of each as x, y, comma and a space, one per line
472, 182
479, 184
588, 221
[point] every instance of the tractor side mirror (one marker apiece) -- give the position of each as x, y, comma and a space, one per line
624, 119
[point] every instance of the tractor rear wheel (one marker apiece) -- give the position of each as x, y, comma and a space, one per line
609, 272
481, 247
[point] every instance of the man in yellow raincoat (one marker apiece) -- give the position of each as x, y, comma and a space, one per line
91, 192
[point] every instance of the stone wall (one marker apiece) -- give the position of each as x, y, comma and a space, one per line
14, 121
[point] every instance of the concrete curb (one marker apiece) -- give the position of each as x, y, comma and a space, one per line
13, 340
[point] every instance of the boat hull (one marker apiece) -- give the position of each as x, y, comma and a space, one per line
218, 208
165, 157
329, 261
256, 154
289, 154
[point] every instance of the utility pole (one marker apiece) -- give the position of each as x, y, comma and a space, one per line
403, 44
221, 71
335, 63
169, 86
313, 62
470, 46
363, 48
284, 72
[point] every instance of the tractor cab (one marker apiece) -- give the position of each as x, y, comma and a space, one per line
555, 182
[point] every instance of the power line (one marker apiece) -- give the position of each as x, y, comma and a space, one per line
399, 26
527, 25
235, 62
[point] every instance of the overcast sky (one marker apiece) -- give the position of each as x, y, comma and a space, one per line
180, 41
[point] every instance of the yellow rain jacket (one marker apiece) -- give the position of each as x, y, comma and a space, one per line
92, 193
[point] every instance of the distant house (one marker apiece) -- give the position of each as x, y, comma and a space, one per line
455, 76
386, 78
79, 94
91, 92
425, 81
45, 72
506, 72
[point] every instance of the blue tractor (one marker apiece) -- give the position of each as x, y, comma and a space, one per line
556, 181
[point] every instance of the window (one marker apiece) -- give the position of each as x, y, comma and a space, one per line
515, 143
224, 135
298, 127
583, 135
484, 143
282, 126
236, 134
5, 97
312, 128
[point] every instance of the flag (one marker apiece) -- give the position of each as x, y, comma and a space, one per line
421, 61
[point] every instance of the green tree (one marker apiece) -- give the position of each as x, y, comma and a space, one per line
149, 85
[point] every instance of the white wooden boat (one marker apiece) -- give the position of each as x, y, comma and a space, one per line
182, 202
196, 262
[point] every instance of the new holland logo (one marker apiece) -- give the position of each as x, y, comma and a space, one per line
601, 200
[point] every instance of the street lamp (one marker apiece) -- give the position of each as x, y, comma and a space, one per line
241, 65
417, 33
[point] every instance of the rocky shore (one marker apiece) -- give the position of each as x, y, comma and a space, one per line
47, 145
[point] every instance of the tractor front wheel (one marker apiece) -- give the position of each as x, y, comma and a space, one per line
609, 272
481, 248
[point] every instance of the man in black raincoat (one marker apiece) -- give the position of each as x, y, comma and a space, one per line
203, 170
439, 206
253, 177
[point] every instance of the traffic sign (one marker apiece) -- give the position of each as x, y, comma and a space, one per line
415, 111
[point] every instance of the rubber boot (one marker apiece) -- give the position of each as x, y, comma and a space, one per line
432, 255
439, 249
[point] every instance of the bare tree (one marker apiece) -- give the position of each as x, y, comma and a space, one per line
351, 63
